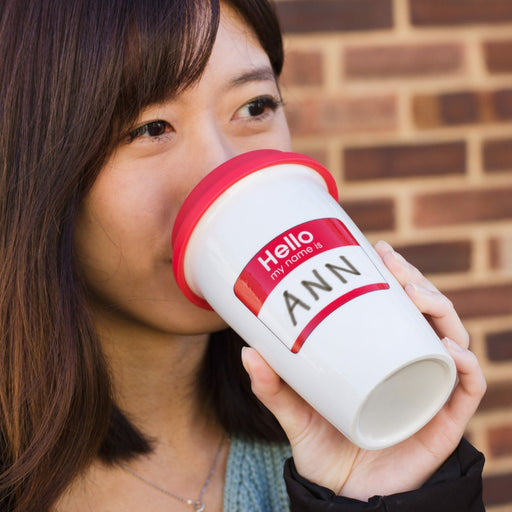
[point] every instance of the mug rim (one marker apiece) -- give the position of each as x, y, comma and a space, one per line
213, 185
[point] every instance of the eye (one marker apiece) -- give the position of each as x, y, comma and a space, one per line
258, 108
152, 130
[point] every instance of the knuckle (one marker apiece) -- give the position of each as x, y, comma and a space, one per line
483, 387
480, 385
416, 273
465, 338
448, 302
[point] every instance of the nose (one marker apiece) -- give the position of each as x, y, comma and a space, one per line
215, 147
209, 148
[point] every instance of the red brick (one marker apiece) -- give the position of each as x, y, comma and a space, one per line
498, 56
438, 257
499, 346
371, 215
328, 15
403, 60
497, 489
461, 207
459, 108
494, 252
497, 155
459, 12
462, 107
303, 68
500, 253
502, 103
500, 441
399, 161
448, 109
498, 396
482, 301
333, 115
425, 110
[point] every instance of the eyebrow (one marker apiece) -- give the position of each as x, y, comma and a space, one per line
263, 74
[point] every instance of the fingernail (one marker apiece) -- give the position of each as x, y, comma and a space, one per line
244, 361
398, 257
450, 344
385, 245
244, 355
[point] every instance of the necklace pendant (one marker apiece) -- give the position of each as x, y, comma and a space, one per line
198, 506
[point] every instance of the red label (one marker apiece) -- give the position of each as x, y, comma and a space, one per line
286, 252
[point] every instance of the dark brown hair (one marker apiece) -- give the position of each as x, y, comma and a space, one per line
72, 74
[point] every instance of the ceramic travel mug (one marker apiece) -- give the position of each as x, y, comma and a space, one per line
263, 241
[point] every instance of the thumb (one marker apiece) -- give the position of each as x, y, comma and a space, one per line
291, 410
312, 438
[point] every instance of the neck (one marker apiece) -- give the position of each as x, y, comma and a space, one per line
154, 379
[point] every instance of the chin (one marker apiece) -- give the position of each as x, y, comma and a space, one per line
200, 321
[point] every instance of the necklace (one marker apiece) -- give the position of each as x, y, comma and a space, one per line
197, 505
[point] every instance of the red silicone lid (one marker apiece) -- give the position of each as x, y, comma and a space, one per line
204, 194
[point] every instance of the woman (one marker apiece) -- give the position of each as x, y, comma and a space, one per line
117, 393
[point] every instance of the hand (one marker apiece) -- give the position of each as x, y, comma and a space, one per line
324, 456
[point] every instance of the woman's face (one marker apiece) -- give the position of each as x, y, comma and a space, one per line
123, 231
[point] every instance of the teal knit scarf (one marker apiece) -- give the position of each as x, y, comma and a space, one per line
254, 477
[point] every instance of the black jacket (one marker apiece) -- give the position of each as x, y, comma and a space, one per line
455, 487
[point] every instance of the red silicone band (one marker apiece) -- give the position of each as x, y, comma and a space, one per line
205, 193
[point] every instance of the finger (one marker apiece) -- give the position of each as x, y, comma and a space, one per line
444, 318
425, 295
309, 434
403, 271
471, 386
292, 412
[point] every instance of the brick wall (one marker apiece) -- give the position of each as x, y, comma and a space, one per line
409, 104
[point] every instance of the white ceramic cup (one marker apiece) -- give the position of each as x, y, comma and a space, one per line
263, 241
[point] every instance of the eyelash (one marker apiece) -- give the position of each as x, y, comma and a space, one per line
262, 102
146, 128
265, 102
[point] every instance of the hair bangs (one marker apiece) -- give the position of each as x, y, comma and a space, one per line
167, 50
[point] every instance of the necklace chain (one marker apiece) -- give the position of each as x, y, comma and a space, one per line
197, 505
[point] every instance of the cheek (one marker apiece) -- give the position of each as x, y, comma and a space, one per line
133, 206
279, 138
98, 245
123, 225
